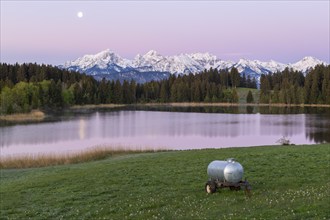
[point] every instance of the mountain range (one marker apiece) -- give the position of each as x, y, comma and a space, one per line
154, 66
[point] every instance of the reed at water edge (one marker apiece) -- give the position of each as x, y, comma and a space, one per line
91, 154
34, 115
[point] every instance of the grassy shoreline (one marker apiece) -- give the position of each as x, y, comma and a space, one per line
91, 106
46, 160
288, 182
34, 115
198, 104
90, 154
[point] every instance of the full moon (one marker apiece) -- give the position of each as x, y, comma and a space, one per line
80, 14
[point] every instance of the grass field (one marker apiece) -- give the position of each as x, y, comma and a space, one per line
288, 182
242, 94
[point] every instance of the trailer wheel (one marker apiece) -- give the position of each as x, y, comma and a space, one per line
210, 187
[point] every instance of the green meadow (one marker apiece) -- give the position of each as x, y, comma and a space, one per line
288, 182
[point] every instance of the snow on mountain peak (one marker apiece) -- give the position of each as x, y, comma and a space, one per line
152, 53
310, 59
202, 56
104, 52
107, 56
148, 61
153, 56
108, 62
243, 61
101, 60
306, 64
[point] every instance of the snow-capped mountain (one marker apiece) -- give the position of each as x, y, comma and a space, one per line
154, 66
179, 64
104, 62
306, 64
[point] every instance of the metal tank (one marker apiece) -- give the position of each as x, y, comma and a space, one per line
215, 170
225, 174
225, 171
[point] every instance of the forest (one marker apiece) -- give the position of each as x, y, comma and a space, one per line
292, 87
31, 86
25, 87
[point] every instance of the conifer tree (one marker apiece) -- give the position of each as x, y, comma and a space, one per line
103, 91
264, 89
249, 97
132, 90
235, 77
117, 93
126, 93
234, 98
174, 93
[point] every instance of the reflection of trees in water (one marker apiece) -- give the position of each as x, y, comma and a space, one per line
280, 110
236, 109
318, 129
249, 109
155, 124
292, 110
282, 125
215, 109
42, 133
315, 110
199, 109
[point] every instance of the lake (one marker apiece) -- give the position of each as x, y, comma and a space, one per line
165, 128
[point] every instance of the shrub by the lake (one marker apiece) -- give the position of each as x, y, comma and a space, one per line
288, 182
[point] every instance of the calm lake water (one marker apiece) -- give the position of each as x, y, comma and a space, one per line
141, 129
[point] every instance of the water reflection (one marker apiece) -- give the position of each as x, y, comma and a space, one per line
249, 109
236, 109
172, 130
82, 129
317, 129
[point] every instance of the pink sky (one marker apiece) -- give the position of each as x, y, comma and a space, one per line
50, 31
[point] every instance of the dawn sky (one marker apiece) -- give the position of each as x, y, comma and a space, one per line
51, 32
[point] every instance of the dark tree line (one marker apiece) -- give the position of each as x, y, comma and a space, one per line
208, 86
30, 86
292, 87
32, 72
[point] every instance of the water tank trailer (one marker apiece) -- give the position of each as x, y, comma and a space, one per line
223, 174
